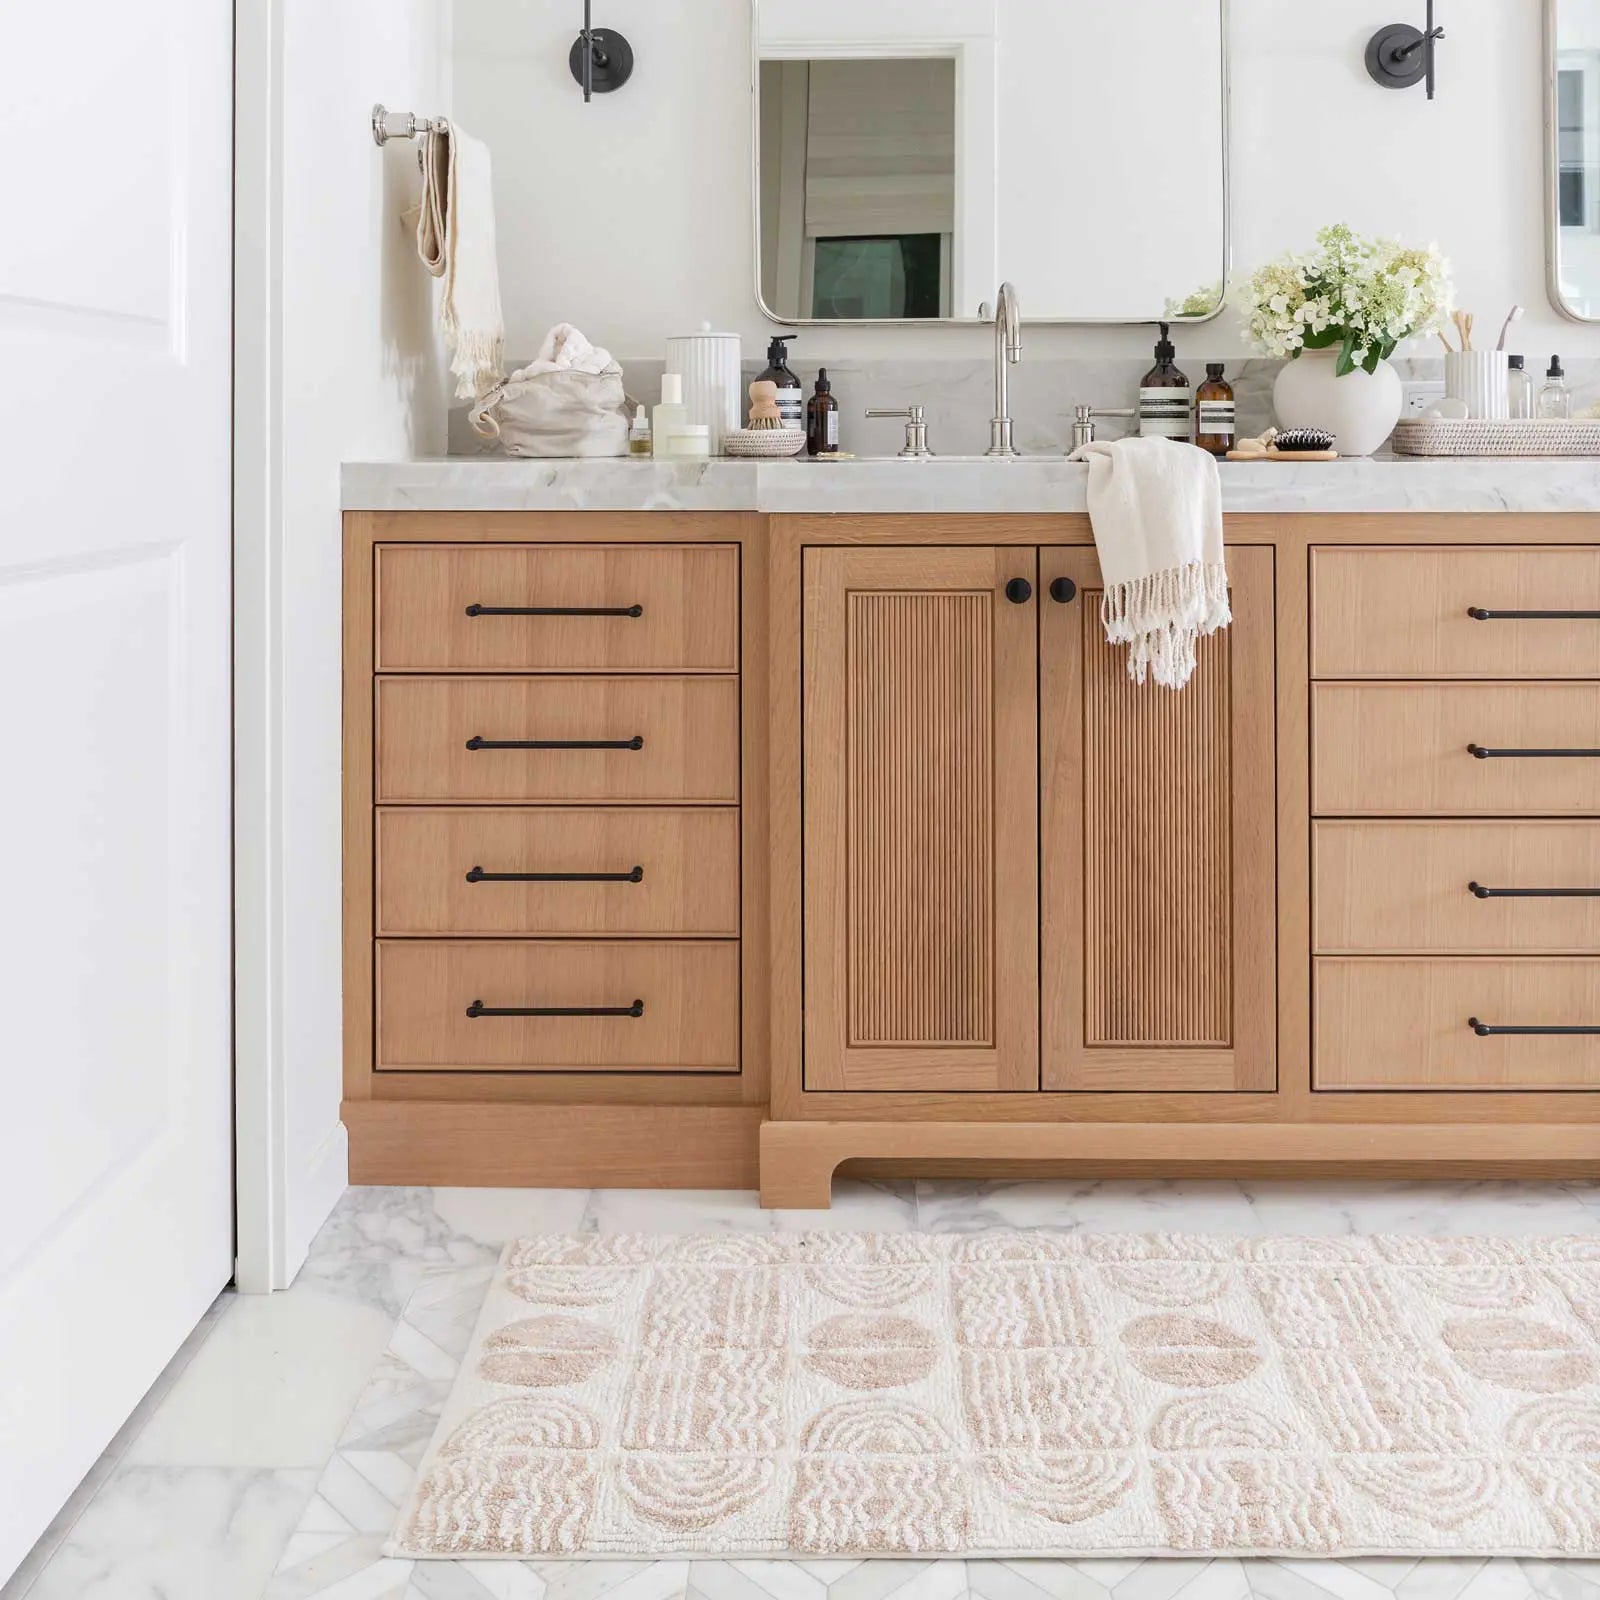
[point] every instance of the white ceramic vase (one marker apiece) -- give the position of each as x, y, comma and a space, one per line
1360, 409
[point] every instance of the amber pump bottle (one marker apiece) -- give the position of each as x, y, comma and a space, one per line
822, 418
1213, 409
1166, 402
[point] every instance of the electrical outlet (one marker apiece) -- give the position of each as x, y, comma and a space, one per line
1418, 395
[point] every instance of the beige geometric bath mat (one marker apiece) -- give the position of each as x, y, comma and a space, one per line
1023, 1394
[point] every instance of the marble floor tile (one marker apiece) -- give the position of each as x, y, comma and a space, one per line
475, 1580
271, 1459
1439, 1580
1164, 1580
1346, 1580
177, 1533
1029, 1580
1563, 1580
1142, 1205
867, 1206
492, 1216
272, 1387
1439, 1207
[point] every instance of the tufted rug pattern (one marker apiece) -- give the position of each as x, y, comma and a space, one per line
1022, 1394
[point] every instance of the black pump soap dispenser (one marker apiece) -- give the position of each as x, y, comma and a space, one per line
791, 401
1166, 402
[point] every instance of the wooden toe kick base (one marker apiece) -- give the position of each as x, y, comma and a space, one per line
798, 1159
552, 1146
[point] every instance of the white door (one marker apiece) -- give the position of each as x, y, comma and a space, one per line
115, 1147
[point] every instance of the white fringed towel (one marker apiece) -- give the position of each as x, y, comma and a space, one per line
1156, 508
455, 238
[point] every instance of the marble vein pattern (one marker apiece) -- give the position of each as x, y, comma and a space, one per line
205, 1531
1036, 485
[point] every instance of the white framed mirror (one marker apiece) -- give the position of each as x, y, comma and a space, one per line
911, 154
1572, 156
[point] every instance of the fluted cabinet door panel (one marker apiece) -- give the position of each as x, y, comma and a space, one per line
1157, 868
1158, 897
920, 765
920, 820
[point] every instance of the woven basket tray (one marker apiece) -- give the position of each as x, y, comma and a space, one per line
1547, 436
763, 444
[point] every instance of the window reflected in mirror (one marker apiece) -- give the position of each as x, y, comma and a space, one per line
857, 188
911, 156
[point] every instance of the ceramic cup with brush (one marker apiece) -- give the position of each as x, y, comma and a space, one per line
1477, 378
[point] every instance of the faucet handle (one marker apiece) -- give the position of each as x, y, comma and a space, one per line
1085, 417
916, 445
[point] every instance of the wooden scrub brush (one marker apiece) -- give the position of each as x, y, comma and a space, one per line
765, 438
764, 412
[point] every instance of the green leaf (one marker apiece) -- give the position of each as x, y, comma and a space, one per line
1347, 361
1330, 335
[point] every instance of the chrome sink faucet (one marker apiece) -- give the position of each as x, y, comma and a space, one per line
1007, 347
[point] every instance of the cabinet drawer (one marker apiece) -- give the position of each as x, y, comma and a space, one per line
1457, 887
555, 739
1402, 749
485, 870
1412, 613
1406, 1024
602, 608
685, 993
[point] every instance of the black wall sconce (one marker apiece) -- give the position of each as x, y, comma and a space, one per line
600, 58
1400, 55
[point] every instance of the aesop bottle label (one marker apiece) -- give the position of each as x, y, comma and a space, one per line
792, 407
1216, 419
1166, 413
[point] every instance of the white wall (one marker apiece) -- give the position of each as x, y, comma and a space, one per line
667, 163
350, 369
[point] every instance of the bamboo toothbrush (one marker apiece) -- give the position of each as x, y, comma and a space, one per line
1463, 322
1513, 315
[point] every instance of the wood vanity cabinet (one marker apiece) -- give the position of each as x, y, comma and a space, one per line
555, 848
1049, 917
703, 849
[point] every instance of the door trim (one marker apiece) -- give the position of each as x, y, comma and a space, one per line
260, 1088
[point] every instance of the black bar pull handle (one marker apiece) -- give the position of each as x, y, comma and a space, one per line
478, 875
479, 1009
478, 742
476, 610
1485, 1029
1483, 614
1483, 892
1484, 754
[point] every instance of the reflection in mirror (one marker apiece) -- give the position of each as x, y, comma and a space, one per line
913, 153
1575, 155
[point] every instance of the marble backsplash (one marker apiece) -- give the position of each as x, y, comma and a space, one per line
958, 397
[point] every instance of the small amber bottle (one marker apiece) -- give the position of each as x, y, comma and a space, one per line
822, 418
1214, 424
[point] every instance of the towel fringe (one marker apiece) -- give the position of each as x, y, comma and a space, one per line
477, 359
1161, 616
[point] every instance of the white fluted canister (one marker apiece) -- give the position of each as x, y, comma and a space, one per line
708, 363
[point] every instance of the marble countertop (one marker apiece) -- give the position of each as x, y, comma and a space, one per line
952, 484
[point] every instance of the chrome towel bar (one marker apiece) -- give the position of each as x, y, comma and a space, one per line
387, 125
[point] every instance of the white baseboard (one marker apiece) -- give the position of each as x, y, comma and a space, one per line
327, 1176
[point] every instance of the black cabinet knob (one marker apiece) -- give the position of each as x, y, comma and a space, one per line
1063, 590
1019, 591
